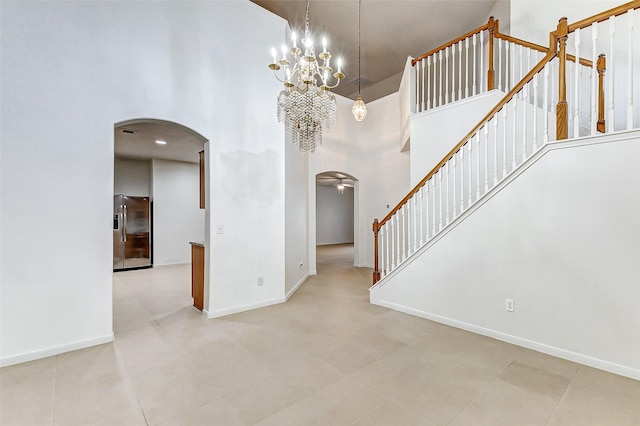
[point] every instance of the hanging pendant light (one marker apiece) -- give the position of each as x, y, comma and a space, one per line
359, 109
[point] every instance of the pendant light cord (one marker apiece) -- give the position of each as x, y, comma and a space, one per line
359, 75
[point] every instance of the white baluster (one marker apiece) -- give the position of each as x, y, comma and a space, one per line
446, 75
507, 67
461, 179
466, 81
576, 86
418, 88
447, 198
520, 56
594, 79
440, 197
469, 143
422, 216
525, 96
630, 61
454, 184
504, 141
610, 73
433, 188
427, 212
381, 242
429, 104
409, 234
477, 139
392, 252
486, 158
460, 70
499, 70
495, 148
546, 102
440, 76
453, 73
475, 76
535, 113
406, 231
424, 81
397, 237
415, 223
482, 74
513, 65
515, 120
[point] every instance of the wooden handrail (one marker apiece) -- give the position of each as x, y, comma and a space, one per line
522, 42
451, 43
537, 68
539, 48
619, 10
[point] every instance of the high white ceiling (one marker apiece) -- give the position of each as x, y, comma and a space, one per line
391, 31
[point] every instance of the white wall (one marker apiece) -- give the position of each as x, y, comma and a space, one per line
296, 217
370, 152
132, 177
334, 215
533, 20
177, 217
435, 132
562, 241
117, 61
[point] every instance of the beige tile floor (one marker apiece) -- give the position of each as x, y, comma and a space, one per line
326, 357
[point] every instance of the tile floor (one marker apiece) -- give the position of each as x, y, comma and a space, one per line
326, 357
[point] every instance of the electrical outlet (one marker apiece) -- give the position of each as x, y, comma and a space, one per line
509, 305
260, 281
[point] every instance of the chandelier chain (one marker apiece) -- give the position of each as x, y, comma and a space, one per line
306, 22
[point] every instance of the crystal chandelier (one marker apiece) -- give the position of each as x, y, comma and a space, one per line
306, 105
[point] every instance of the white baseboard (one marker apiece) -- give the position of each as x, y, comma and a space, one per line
228, 311
312, 273
56, 350
601, 364
295, 287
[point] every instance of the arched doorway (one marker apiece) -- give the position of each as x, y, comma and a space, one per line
159, 161
336, 218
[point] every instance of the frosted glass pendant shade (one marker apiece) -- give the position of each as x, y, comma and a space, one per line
359, 109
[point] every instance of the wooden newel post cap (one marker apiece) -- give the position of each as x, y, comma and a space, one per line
375, 226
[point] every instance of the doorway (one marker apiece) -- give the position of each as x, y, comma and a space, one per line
159, 161
336, 219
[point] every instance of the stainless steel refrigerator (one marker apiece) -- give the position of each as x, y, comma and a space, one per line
131, 232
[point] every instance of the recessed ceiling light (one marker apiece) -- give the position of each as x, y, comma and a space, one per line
159, 142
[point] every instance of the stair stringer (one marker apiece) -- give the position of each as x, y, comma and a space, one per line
560, 236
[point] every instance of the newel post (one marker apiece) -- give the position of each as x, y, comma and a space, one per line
562, 124
376, 270
491, 27
601, 67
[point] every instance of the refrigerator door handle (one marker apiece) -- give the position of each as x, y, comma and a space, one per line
124, 223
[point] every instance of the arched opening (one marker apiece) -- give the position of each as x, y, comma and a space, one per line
336, 219
157, 168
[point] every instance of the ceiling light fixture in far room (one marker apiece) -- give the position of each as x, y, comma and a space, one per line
159, 142
340, 187
359, 109
306, 105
